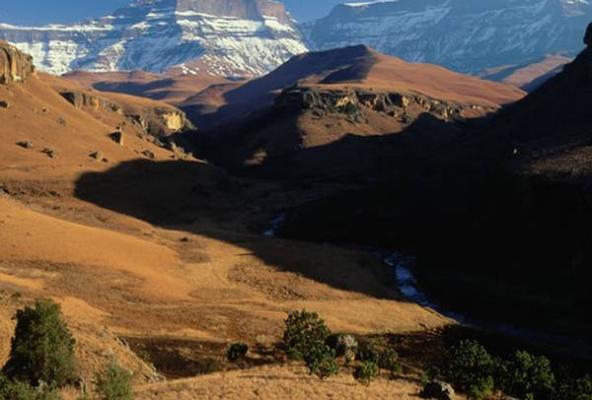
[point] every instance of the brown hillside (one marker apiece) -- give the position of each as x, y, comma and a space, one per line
357, 66
172, 88
154, 253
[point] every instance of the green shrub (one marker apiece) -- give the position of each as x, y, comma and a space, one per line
10, 390
320, 360
367, 372
481, 388
304, 331
528, 377
237, 351
378, 351
42, 348
114, 383
431, 374
578, 389
470, 368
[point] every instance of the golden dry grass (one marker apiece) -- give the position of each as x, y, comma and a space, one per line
118, 275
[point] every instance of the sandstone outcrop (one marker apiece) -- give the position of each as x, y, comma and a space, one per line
15, 66
355, 102
155, 121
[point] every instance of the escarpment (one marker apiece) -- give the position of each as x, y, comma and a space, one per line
356, 103
15, 66
153, 119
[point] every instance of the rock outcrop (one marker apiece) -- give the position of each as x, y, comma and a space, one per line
354, 103
438, 390
155, 121
15, 66
81, 99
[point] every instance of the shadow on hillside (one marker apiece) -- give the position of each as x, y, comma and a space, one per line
202, 199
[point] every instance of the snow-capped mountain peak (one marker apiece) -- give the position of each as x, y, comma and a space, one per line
230, 37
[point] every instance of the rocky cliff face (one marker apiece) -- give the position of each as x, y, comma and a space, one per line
464, 35
219, 37
154, 121
356, 103
15, 66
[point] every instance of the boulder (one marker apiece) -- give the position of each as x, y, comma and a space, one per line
588, 36
148, 154
15, 66
4, 104
438, 390
347, 346
49, 152
25, 144
97, 155
117, 137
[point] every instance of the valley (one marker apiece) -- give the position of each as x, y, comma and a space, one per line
220, 212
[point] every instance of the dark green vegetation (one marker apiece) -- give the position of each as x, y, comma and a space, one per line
304, 331
379, 352
472, 369
42, 349
237, 351
114, 383
41, 360
306, 337
367, 372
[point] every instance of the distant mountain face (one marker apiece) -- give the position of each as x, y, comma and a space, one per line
219, 37
464, 35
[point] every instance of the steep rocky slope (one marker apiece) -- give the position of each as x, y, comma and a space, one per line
14, 65
464, 35
235, 37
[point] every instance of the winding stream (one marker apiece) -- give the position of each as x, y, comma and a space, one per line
406, 283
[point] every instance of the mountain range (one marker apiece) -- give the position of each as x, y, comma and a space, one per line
251, 37
225, 38
465, 35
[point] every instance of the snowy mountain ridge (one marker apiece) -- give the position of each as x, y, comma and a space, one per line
464, 35
226, 38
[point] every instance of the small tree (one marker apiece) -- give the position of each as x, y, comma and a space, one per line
380, 352
578, 389
304, 332
237, 351
367, 372
320, 360
42, 348
470, 368
528, 377
10, 390
114, 383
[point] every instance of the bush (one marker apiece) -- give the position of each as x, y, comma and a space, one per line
42, 348
528, 377
114, 383
320, 360
10, 390
304, 332
367, 372
379, 352
470, 368
237, 351
579, 389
